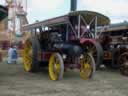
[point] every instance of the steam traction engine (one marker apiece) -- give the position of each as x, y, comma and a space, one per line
63, 42
114, 40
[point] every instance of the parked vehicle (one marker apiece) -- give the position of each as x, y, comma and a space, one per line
114, 40
63, 43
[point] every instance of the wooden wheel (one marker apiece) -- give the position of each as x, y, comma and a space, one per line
123, 61
27, 55
56, 67
87, 66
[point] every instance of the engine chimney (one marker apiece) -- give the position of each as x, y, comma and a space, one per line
73, 5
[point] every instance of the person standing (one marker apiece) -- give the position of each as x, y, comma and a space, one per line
9, 60
14, 55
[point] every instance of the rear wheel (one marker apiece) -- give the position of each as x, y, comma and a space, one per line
30, 56
123, 62
88, 67
96, 49
56, 67
27, 55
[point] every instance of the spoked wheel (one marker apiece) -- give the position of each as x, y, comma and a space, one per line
87, 66
123, 61
56, 67
96, 49
27, 56
30, 55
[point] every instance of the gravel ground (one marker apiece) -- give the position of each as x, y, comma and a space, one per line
14, 81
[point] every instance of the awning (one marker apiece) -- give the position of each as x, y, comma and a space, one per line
89, 15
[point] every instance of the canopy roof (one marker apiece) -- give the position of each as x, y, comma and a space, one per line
87, 15
114, 27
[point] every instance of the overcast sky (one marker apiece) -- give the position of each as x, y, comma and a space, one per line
116, 10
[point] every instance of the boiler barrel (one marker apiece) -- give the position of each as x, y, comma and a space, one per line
69, 49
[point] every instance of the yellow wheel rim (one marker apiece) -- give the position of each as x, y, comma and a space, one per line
86, 68
27, 56
54, 67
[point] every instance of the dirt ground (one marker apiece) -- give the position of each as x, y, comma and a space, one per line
14, 81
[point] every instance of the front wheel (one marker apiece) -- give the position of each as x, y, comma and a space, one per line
88, 66
56, 67
123, 62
